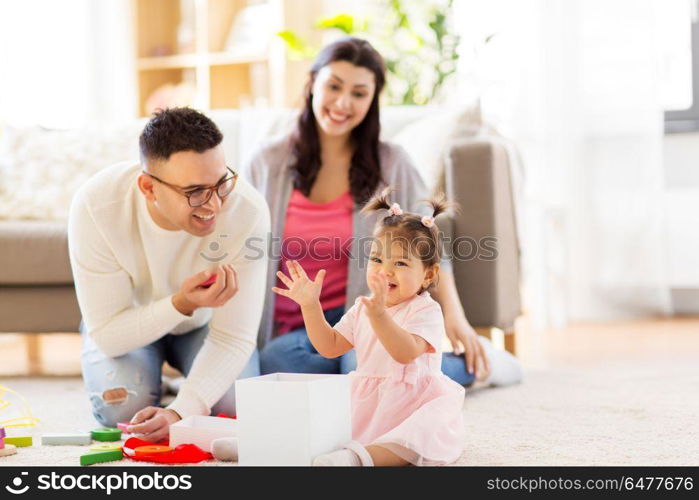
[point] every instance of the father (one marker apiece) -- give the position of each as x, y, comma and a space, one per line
143, 238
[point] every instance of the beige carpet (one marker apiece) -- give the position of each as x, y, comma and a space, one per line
623, 414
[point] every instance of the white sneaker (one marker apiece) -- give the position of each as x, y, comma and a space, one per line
505, 369
172, 385
225, 449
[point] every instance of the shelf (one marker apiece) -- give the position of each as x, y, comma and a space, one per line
168, 62
199, 67
230, 86
149, 81
226, 58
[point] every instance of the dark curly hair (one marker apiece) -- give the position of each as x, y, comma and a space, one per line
409, 230
173, 130
365, 170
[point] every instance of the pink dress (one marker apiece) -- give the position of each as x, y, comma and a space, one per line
414, 410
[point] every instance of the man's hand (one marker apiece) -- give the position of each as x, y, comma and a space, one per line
153, 423
464, 340
192, 295
376, 304
300, 288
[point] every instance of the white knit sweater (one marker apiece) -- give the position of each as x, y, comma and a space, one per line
127, 268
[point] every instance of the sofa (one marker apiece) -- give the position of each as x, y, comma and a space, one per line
41, 169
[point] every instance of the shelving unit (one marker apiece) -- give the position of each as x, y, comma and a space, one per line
184, 42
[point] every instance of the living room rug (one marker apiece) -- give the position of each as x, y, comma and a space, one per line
613, 414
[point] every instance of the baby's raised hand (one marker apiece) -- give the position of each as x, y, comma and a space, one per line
376, 304
300, 288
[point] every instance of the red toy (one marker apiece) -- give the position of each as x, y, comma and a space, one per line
183, 454
209, 282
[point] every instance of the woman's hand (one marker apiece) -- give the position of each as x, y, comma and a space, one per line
300, 288
464, 340
376, 304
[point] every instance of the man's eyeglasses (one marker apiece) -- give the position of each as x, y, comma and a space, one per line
201, 195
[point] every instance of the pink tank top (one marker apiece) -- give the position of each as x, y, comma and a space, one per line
318, 236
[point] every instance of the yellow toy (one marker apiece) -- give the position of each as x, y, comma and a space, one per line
15, 414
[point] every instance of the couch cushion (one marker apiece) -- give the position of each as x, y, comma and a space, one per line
34, 252
40, 169
487, 273
46, 309
426, 139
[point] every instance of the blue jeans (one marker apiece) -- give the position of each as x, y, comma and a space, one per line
454, 367
294, 353
139, 372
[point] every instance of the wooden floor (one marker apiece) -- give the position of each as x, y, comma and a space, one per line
576, 345
588, 344
47, 354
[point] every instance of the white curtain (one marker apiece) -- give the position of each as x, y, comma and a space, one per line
575, 84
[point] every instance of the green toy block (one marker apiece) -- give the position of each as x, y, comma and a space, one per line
107, 434
106, 447
19, 441
97, 457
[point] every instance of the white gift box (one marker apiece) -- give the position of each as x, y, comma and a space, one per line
291, 418
201, 431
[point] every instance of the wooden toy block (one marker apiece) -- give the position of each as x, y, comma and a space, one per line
79, 439
106, 434
201, 431
8, 450
105, 447
150, 450
2, 443
2, 432
97, 457
18, 441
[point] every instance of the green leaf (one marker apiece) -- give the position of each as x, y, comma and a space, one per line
298, 48
292, 40
342, 22
416, 70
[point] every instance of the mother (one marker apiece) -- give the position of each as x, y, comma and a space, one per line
316, 180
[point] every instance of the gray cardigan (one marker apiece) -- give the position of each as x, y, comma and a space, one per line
269, 171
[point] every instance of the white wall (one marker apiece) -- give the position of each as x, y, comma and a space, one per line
65, 63
44, 62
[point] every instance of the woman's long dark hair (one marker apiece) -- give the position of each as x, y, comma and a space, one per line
365, 170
